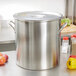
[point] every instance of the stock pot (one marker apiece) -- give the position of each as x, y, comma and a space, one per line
38, 39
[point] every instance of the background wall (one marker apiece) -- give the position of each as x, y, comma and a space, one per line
9, 7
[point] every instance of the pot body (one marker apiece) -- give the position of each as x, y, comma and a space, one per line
38, 44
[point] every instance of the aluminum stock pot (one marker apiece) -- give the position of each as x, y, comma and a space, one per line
38, 39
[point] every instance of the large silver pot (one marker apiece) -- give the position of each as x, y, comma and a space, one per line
38, 39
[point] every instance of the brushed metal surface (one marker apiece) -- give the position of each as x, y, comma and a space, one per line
38, 44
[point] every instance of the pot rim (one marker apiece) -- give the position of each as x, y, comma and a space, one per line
37, 16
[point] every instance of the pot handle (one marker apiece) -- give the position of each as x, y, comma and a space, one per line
10, 23
64, 25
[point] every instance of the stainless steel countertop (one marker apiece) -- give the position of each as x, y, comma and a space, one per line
11, 69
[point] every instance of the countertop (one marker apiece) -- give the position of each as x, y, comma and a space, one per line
11, 69
69, 30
